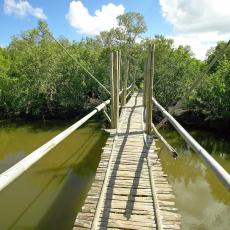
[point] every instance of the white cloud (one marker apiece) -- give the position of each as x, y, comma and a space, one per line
104, 18
198, 23
22, 8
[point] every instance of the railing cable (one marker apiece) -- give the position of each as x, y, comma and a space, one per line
195, 83
70, 55
19, 168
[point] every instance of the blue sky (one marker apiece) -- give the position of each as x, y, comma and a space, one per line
187, 22
56, 17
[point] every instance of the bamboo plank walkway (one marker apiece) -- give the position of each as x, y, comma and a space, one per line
130, 190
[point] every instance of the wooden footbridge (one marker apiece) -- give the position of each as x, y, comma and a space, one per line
130, 190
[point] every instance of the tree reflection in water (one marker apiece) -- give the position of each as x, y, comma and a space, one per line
200, 197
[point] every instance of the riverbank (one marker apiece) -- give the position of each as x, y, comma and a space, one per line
190, 120
64, 120
193, 120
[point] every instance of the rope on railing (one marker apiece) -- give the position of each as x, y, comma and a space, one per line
19, 168
220, 172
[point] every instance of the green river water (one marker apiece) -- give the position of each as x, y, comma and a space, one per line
202, 200
50, 193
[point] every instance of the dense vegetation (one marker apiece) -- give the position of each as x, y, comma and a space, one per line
212, 97
39, 80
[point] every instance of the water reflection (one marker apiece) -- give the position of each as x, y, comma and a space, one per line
19, 139
202, 200
50, 194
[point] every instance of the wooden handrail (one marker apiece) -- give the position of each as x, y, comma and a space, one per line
129, 87
19, 168
128, 94
220, 172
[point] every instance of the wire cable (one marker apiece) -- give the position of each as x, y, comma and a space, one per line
70, 55
195, 83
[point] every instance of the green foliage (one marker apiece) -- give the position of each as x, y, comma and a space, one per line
130, 27
5, 81
174, 70
212, 98
39, 80
45, 82
4, 62
214, 51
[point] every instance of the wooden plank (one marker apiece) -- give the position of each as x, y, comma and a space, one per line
124, 174
127, 224
133, 217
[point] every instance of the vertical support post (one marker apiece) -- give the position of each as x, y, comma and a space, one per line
125, 82
133, 85
119, 70
149, 88
145, 83
114, 89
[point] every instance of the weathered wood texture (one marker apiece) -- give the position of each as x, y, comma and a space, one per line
149, 89
114, 75
125, 82
130, 190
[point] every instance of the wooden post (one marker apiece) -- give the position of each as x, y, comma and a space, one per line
149, 88
145, 83
125, 82
134, 79
114, 89
119, 70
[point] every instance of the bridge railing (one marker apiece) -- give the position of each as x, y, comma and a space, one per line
128, 90
220, 172
19, 168
115, 70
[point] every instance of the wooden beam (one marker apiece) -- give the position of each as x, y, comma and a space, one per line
119, 70
112, 89
125, 82
115, 89
145, 84
107, 116
149, 88
133, 84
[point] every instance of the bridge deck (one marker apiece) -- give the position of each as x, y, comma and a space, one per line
130, 190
